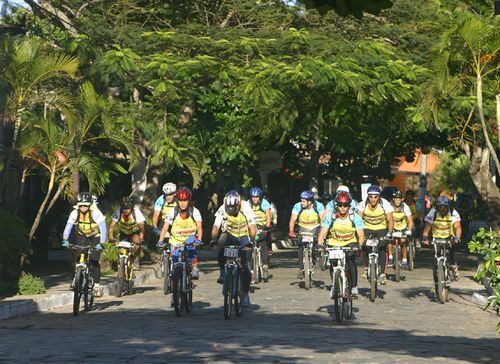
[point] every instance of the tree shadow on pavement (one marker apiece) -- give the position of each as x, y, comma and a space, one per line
203, 335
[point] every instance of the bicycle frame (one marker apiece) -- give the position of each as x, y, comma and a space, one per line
441, 255
338, 254
125, 252
233, 263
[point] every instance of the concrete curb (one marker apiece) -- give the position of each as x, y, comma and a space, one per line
284, 244
41, 303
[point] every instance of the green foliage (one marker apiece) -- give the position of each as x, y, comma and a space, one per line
487, 245
109, 253
452, 174
348, 7
13, 243
29, 285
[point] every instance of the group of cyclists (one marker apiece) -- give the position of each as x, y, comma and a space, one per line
342, 222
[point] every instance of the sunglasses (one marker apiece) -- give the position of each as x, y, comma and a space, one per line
343, 205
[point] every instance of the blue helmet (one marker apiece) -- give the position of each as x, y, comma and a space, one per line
443, 201
256, 192
307, 195
374, 190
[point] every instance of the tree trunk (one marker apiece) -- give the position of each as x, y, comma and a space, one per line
139, 178
153, 188
11, 165
479, 95
75, 184
482, 178
38, 217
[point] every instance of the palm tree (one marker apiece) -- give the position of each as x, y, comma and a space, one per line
31, 75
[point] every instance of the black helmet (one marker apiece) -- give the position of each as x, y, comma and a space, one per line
397, 193
84, 199
126, 203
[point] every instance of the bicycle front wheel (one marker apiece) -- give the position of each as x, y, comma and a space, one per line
88, 296
177, 292
166, 276
228, 293
337, 296
238, 305
440, 286
397, 265
77, 290
411, 254
120, 276
373, 280
188, 299
307, 269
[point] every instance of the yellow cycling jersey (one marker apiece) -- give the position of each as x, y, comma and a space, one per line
128, 224
237, 226
309, 219
342, 232
86, 225
167, 206
182, 229
260, 216
442, 227
399, 216
375, 219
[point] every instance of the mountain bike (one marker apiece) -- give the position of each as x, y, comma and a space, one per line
83, 284
125, 274
259, 272
232, 288
341, 287
181, 281
307, 242
442, 269
374, 270
396, 250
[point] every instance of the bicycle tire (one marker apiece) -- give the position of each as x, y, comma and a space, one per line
255, 266
307, 270
77, 290
238, 297
397, 265
120, 274
189, 294
440, 283
177, 292
373, 281
259, 265
411, 254
88, 297
337, 297
228, 293
166, 277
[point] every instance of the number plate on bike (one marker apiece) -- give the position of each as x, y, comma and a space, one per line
307, 238
371, 242
397, 234
231, 252
335, 254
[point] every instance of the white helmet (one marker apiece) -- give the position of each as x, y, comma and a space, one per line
343, 188
169, 188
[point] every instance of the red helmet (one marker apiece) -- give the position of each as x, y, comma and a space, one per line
343, 198
183, 194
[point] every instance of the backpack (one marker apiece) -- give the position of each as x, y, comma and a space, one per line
177, 211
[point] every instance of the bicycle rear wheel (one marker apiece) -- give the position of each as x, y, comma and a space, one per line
88, 296
228, 293
397, 265
188, 299
337, 296
440, 287
238, 297
373, 280
177, 292
77, 290
307, 269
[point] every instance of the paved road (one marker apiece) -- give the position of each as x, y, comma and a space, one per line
284, 324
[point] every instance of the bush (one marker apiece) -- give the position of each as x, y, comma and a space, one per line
487, 244
30, 285
13, 243
109, 254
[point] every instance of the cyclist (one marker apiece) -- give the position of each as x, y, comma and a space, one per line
262, 211
377, 217
183, 221
239, 220
403, 222
308, 215
330, 207
444, 223
163, 205
344, 227
89, 224
130, 222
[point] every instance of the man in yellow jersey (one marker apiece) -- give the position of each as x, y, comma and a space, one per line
307, 214
239, 220
403, 222
377, 217
445, 223
183, 221
262, 210
90, 229
163, 205
343, 227
130, 222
